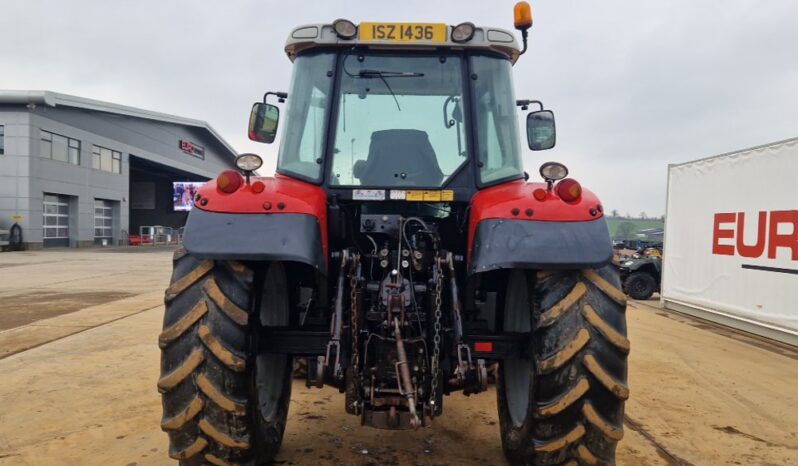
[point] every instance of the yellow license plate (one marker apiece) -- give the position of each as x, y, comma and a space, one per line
403, 32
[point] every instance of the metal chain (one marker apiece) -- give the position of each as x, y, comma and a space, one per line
354, 317
436, 339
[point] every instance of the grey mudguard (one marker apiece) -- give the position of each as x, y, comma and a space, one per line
529, 244
273, 237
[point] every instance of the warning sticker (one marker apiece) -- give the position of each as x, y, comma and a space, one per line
398, 195
446, 195
368, 194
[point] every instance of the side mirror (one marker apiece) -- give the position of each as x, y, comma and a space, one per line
540, 131
263, 122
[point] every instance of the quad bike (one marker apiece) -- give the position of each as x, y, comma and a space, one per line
641, 274
400, 250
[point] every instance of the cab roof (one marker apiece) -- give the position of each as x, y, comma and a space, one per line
322, 35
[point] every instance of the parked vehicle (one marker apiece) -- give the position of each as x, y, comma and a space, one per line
641, 275
11, 239
401, 250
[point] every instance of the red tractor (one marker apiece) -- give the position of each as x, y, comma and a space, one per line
401, 250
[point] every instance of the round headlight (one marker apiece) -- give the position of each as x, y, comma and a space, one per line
344, 28
553, 171
463, 32
248, 162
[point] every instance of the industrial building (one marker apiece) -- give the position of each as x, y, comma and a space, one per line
78, 172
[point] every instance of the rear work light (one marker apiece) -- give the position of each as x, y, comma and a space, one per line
248, 162
553, 171
569, 190
229, 181
463, 32
344, 28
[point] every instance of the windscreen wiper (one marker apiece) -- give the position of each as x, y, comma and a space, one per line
391, 74
370, 74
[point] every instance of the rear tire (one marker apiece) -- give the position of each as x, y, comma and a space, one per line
640, 285
224, 402
564, 403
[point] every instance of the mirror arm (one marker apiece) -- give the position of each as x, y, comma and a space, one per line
524, 104
281, 96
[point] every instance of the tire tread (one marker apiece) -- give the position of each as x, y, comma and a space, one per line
205, 383
580, 346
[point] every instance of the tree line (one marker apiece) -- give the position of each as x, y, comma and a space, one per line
641, 216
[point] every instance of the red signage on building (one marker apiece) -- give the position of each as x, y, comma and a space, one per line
192, 149
775, 229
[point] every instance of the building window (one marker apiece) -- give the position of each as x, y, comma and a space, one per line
106, 159
103, 219
2, 139
55, 219
56, 147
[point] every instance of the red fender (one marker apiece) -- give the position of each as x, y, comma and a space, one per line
515, 201
280, 195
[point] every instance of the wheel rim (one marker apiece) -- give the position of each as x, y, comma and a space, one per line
516, 372
272, 369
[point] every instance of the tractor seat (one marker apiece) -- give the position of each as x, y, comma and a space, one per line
399, 157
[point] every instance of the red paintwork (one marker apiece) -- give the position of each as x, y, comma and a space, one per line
297, 196
499, 202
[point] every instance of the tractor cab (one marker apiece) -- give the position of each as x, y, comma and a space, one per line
378, 110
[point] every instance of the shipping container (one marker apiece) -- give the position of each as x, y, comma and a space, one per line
731, 240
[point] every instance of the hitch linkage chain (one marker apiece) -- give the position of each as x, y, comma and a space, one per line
473, 378
354, 327
334, 345
436, 339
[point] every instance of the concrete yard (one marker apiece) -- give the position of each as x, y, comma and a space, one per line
79, 362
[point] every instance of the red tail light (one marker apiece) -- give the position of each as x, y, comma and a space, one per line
229, 181
258, 187
483, 346
569, 190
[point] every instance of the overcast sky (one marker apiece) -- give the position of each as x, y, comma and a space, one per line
635, 84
